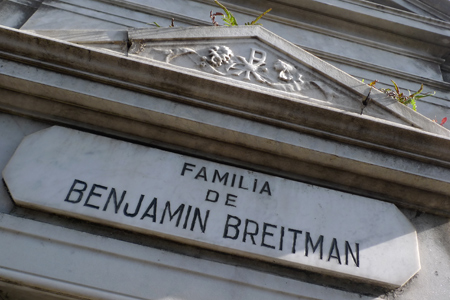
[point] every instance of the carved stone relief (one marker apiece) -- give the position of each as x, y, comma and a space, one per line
253, 66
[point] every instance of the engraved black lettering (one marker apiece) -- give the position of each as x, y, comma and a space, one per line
136, 211
113, 194
212, 194
152, 206
308, 241
240, 183
178, 211
235, 226
230, 200
334, 248
247, 232
294, 240
281, 239
198, 217
78, 190
93, 193
232, 180
348, 249
224, 178
266, 189
186, 168
255, 182
186, 218
201, 174
265, 233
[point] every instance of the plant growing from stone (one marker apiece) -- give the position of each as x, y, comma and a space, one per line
171, 25
406, 99
229, 19
402, 97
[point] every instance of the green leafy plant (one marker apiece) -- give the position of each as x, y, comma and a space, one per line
157, 25
229, 19
406, 99
401, 97
259, 17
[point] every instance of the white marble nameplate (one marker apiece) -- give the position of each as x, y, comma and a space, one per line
213, 205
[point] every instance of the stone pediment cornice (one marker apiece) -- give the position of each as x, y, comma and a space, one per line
184, 101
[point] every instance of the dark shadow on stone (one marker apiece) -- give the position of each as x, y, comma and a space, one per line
15, 15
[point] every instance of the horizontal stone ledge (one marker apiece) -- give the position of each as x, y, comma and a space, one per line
401, 22
130, 258
70, 58
335, 123
90, 89
256, 152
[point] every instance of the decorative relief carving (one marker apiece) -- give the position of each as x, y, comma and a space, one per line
218, 55
254, 66
221, 60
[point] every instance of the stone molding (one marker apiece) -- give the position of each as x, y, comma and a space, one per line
150, 272
100, 90
366, 7
341, 35
413, 54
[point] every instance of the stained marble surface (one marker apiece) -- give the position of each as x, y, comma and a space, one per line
213, 205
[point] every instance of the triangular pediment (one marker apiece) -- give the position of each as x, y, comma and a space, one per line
251, 58
248, 59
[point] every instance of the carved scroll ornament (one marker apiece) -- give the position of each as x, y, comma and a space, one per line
221, 60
